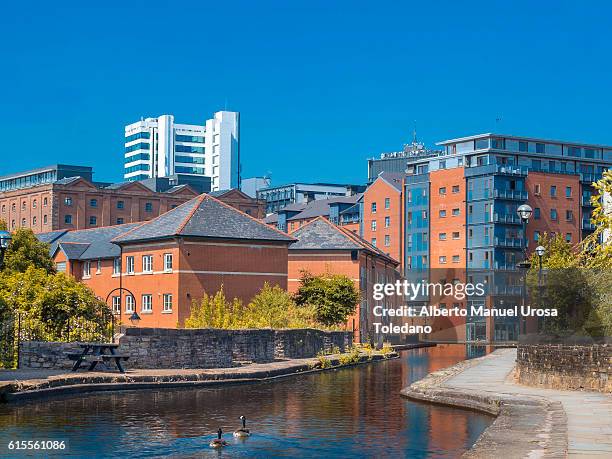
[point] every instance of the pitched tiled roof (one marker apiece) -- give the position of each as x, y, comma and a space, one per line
88, 244
321, 234
393, 178
204, 216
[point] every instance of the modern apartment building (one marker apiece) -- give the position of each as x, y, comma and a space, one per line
159, 147
252, 185
281, 196
460, 214
397, 161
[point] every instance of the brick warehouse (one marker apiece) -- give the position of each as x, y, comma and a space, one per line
323, 247
66, 197
170, 261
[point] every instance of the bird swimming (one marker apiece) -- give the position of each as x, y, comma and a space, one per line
242, 432
218, 442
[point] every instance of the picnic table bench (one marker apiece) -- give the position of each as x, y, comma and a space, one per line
94, 353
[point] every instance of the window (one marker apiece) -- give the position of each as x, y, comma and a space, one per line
120, 221
34, 204
147, 303
167, 307
373, 207
442, 236
120, 204
553, 191
442, 259
374, 241
86, 269
387, 240
568, 191
33, 220
60, 267
68, 219
424, 214
99, 267
117, 266
23, 205
148, 207
23, 222
537, 189
93, 203
455, 234
569, 215
387, 222
442, 191
129, 303
373, 225
147, 263
522, 146
455, 212
409, 196
93, 221
129, 264
44, 219
167, 262
455, 258
536, 236
68, 201
116, 305
442, 306
568, 237
553, 214
539, 147
442, 164
387, 203
45, 202
536, 213
442, 213
455, 189
13, 207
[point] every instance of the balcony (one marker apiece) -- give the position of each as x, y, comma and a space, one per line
512, 243
588, 177
498, 169
510, 194
586, 201
510, 290
587, 225
507, 218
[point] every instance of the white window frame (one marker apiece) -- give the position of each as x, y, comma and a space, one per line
117, 305
116, 266
167, 303
86, 269
130, 304
149, 303
147, 264
99, 267
168, 266
129, 264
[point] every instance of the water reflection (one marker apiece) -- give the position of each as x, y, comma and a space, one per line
353, 412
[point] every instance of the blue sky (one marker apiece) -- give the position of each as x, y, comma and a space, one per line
320, 85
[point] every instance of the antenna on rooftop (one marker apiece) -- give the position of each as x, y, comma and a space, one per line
414, 134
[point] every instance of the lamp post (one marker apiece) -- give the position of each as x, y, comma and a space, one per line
524, 211
540, 251
5, 240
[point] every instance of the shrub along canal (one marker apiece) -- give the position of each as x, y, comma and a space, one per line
352, 412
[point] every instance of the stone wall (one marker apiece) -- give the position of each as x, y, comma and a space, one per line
304, 343
566, 366
195, 348
42, 354
177, 348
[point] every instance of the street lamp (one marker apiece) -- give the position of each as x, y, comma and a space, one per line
134, 318
5, 240
524, 211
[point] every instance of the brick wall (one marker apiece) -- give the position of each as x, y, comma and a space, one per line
566, 366
195, 348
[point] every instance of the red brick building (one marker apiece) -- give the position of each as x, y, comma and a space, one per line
323, 247
160, 267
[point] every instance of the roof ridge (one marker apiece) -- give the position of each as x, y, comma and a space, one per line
365, 244
308, 223
199, 200
93, 229
244, 213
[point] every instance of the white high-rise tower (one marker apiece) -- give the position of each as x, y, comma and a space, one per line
159, 147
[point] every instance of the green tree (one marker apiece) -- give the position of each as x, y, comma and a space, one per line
333, 296
25, 250
215, 311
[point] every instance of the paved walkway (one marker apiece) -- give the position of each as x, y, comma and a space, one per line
589, 414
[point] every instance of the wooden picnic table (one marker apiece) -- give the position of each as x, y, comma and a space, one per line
95, 353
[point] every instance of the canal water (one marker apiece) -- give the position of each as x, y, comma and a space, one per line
354, 413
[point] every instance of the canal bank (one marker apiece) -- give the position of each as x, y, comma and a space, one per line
28, 385
530, 422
